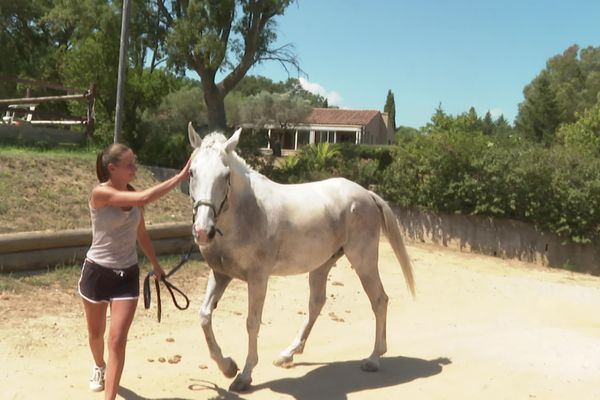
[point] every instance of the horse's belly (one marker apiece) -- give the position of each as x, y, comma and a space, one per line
300, 262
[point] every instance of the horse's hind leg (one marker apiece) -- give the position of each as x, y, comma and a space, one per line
363, 258
318, 282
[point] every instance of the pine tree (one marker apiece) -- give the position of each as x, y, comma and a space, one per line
539, 115
488, 124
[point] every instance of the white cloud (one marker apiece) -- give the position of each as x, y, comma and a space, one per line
496, 112
333, 98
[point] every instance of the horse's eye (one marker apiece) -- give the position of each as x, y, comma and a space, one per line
191, 174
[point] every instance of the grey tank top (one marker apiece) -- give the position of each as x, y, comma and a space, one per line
114, 237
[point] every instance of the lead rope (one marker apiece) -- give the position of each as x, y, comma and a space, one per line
169, 285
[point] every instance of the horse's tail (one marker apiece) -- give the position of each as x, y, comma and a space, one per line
392, 232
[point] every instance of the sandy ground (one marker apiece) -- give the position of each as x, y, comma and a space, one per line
480, 328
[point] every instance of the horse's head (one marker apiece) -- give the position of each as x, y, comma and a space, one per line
209, 180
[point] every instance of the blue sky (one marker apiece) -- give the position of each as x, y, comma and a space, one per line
458, 53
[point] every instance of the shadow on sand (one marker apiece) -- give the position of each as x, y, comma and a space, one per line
333, 381
128, 394
214, 392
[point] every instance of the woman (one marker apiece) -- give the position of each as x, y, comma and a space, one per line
110, 273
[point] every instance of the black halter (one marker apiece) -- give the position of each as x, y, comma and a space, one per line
208, 203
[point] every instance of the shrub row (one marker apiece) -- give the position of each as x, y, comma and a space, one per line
557, 189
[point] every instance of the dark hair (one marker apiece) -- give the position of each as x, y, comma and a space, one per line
112, 154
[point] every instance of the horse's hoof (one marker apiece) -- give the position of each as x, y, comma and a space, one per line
240, 385
231, 368
369, 366
284, 362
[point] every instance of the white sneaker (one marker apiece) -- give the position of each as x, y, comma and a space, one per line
97, 379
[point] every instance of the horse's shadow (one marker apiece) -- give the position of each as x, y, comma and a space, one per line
334, 381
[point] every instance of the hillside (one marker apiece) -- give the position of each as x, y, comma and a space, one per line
49, 191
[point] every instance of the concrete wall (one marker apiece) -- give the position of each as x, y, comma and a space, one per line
499, 238
494, 237
39, 250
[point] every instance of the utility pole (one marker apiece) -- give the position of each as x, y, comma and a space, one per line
122, 68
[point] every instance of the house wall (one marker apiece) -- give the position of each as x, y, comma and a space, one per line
377, 130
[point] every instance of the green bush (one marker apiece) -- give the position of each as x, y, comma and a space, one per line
557, 189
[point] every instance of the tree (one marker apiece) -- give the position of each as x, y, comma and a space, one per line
390, 108
572, 79
488, 124
85, 36
24, 44
212, 37
539, 115
501, 126
279, 109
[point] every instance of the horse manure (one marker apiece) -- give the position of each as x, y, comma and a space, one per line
150, 360
336, 283
170, 340
335, 317
162, 359
202, 366
175, 359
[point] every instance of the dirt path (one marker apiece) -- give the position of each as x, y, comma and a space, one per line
480, 328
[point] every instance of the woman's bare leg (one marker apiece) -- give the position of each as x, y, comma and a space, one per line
95, 315
121, 316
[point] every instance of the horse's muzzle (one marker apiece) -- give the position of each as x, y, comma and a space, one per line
202, 236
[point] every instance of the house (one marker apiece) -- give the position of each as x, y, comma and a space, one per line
334, 126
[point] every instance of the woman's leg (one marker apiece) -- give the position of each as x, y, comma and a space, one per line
95, 315
121, 316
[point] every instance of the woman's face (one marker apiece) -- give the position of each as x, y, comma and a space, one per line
126, 168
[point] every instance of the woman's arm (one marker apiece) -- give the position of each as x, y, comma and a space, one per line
145, 243
103, 196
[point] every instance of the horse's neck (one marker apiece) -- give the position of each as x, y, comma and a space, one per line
242, 182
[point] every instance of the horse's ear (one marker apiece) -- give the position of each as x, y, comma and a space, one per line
195, 139
232, 143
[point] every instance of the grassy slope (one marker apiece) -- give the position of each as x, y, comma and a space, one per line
48, 190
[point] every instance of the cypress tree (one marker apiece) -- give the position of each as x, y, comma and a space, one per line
390, 108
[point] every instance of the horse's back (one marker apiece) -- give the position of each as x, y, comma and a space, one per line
311, 222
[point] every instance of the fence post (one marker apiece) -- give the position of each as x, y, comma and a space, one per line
91, 111
122, 68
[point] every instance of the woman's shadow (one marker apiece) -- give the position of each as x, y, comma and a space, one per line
333, 381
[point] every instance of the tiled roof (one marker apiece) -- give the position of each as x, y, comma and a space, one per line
335, 116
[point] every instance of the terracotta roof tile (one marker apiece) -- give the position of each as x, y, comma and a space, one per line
335, 116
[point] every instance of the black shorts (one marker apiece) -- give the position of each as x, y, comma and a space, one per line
99, 284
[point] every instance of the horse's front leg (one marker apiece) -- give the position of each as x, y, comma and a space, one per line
217, 283
257, 289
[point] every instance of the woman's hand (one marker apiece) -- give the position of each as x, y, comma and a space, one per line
159, 273
185, 172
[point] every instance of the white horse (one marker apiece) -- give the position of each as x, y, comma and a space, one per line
249, 227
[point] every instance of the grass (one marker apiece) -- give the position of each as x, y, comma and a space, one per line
61, 277
65, 277
48, 189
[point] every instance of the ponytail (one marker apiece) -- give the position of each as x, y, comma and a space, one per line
101, 169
